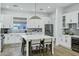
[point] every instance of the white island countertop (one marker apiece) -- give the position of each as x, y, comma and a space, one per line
35, 37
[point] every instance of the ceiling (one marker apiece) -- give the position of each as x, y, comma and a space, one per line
30, 7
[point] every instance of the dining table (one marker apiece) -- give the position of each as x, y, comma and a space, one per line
37, 37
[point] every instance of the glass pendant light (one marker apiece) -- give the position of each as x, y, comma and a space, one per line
35, 16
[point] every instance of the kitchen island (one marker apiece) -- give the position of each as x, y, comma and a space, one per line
36, 37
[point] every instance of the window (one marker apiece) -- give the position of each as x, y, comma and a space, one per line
19, 26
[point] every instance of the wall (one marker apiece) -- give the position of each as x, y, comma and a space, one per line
0, 28
53, 18
57, 21
74, 7
58, 25
0, 42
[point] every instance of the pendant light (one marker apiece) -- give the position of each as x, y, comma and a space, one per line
35, 16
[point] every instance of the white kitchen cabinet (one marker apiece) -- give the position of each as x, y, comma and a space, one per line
0, 37
66, 41
78, 21
0, 42
72, 17
12, 38
6, 40
0, 25
7, 21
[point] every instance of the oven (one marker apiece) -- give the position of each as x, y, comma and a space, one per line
75, 44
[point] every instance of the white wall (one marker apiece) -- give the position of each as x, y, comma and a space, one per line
58, 25
0, 27
21, 14
53, 18
74, 7
0, 42
57, 21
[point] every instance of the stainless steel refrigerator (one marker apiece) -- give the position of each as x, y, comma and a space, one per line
49, 29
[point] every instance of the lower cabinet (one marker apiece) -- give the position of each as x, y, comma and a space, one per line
12, 38
66, 41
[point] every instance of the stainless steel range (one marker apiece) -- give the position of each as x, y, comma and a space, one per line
75, 44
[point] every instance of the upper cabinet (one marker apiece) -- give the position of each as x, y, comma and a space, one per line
78, 22
64, 22
72, 17
0, 25
7, 21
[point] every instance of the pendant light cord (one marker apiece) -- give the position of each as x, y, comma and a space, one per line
35, 8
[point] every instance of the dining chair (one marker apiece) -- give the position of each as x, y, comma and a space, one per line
47, 46
34, 47
23, 47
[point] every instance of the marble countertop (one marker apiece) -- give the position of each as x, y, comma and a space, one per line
77, 36
35, 37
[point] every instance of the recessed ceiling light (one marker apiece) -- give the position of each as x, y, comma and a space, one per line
41, 9
21, 8
48, 6
7, 6
15, 5
33, 9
